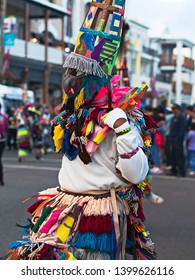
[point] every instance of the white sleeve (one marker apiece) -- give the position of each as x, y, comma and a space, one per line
132, 162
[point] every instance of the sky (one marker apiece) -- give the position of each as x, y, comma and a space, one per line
176, 15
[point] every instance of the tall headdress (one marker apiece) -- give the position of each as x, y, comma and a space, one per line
89, 89
95, 51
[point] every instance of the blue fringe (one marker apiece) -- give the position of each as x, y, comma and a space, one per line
25, 229
100, 242
16, 244
67, 148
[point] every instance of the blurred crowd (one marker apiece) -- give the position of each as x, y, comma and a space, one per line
173, 144
29, 130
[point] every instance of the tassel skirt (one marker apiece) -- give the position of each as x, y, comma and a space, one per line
106, 225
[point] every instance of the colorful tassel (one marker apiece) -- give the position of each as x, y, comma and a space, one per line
101, 135
45, 213
34, 206
79, 99
64, 229
12, 254
58, 137
51, 221
89, 128
67, 148
94, 242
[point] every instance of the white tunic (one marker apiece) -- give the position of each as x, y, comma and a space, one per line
100, 174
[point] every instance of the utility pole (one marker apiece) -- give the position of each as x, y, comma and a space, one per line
2, 15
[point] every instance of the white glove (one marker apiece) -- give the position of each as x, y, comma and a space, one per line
111, 117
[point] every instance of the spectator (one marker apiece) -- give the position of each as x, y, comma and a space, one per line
189, 117
191, 149
3, 131
12, 129
168, 117
157, 143
177, 136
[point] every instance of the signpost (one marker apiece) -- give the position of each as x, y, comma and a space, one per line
2, 15
8, 35
9, 29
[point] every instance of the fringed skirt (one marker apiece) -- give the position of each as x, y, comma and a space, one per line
106, 225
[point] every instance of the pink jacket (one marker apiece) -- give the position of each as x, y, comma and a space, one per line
3, 125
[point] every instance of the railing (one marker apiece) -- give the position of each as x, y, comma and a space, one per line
171, 60
36, 51
167, 60
188, 63
164, 78
149, 51
186, 88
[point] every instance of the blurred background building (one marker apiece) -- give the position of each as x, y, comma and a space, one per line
164, 63
37, 35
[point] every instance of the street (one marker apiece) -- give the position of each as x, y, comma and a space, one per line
170, 224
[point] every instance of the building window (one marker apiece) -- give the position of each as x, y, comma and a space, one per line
69, 18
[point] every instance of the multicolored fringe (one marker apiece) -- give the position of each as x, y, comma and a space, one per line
23, 152
72, 226
83, 64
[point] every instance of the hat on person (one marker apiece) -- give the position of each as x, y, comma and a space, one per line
168, 109
99, 38
176, 106
90, 66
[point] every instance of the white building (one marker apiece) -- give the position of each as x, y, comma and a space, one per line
164, 63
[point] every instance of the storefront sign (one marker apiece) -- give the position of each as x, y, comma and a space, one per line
9, 39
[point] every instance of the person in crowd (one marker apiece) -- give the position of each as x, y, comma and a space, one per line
96, 212
177, 137
193, 115
36, 131
24, 140
45, 122
12, 129
155, 156
29, 132
148, 192
191, 149
168, 117
3, 132
38, 146
189, 117
157, 147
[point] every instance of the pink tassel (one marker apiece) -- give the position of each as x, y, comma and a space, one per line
53, 219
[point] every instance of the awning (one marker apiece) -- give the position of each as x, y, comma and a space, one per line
53, 7
12, 97
14, 93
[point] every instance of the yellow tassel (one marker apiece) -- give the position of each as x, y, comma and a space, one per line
71, 257
101, 135
79, 100
89, 127
65, 98
63, 230
58, 137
